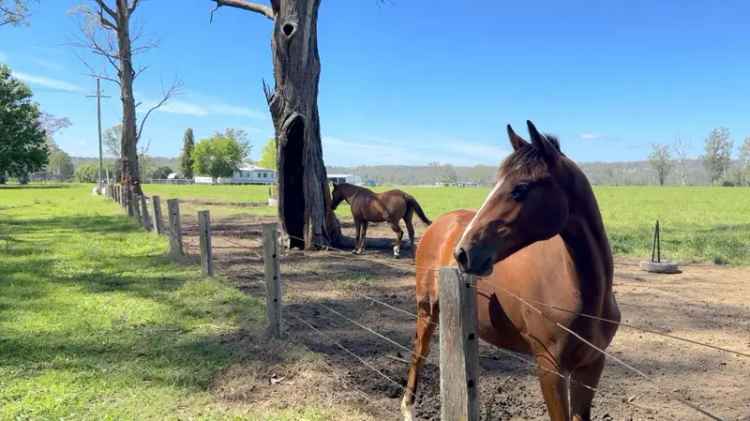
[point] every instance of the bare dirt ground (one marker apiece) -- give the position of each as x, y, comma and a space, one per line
705, 303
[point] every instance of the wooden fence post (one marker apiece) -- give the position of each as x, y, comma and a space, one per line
175, 228
129, 205
273, 281
144, 213
137, 208
459, 359
204, 225
156, 202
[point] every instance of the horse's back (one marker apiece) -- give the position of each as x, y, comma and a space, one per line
543, 272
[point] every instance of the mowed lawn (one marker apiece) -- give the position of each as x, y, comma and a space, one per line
699, 224
96, 323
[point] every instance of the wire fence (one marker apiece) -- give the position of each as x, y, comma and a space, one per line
534, 305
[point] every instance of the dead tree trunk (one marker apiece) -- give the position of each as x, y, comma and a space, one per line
103, 23
304, 195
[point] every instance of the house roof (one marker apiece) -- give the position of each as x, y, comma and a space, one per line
252, 167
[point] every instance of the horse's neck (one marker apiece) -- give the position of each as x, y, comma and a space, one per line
586, 239
352, 191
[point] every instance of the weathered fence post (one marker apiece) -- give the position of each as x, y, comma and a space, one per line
175, 228
156, 202
118, 198
273, 281
137, 208
144, 213
204, 225
459, 360
129, 205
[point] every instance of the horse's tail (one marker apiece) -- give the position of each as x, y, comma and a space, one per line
412, 203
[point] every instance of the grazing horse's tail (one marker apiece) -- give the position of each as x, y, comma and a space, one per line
411, 203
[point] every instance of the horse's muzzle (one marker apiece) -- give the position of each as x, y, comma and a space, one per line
473, 261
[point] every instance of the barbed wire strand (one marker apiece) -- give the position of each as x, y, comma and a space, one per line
348, 351
617, 360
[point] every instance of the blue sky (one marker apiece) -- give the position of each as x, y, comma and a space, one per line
409, 82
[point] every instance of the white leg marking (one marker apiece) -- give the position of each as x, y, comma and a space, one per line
407, 410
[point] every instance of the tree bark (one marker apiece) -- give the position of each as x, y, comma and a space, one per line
304, 194
129, 140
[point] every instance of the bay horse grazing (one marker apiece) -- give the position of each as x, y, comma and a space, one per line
367, 206
539, 236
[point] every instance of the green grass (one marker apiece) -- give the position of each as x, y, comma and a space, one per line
96, 323
226, 193
699, 224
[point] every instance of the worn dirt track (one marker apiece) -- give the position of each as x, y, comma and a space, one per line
705, 303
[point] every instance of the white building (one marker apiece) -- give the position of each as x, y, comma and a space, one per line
245, 174
345, 178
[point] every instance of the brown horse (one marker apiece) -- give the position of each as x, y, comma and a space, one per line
367, 206
539, 236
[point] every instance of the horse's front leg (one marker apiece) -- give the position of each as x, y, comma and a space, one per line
363, 238
358, 229
399, 236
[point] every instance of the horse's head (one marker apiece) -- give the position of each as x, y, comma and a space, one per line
527, 204
337, 195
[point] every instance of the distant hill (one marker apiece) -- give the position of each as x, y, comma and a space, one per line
606, 173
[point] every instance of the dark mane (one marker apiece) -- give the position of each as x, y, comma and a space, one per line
527, 161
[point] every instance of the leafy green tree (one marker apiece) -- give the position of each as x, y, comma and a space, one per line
60, 165
87, 173
23, 141
268, 155
661, 161
744, 161
718, 155
161, 173
186, 161
218, 156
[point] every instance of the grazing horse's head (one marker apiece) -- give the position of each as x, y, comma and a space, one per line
338, 195
527, 204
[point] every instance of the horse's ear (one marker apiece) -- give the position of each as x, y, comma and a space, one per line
549, 150
515, 140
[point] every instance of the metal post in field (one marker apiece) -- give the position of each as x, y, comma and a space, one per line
459, 355
272, 278
204, 225
156, 202
175, 228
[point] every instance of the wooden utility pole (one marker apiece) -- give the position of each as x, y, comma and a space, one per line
99, 97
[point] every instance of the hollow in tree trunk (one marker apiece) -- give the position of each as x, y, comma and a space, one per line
304, 195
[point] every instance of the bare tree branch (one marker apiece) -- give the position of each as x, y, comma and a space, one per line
169, 93
102, 5
133, 6
246, 5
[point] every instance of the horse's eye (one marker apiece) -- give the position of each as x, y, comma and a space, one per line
519, 192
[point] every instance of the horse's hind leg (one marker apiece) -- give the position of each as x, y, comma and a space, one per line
410, 229
426, 323
399, 236
580, 395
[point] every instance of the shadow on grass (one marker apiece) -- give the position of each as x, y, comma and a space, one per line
181, 343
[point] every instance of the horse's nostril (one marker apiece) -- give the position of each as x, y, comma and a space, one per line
462, 258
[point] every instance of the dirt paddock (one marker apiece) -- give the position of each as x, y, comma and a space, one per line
705, 303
